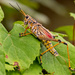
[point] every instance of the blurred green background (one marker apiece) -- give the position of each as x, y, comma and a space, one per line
51, 13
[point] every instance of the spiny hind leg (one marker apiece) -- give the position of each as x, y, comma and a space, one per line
46, 51
57, 40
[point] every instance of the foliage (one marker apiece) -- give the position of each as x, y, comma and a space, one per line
72, 15
18, 51
21, 52
1, 15
34, 69
2, 63
57, 63
68, 29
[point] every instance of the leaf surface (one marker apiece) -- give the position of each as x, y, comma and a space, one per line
19, 51
68, 30
57, 64
2, 63
34, 69
72, 15
1, 14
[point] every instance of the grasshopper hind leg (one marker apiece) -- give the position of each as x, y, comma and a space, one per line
57, 40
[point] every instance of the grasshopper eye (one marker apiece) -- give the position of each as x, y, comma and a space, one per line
26, 17
34, 22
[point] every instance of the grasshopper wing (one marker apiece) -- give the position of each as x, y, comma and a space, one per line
42, 33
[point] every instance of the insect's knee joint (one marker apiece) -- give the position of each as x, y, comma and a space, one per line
40, 54
53, 36
59, 41
70, 68
40, 63
65, 43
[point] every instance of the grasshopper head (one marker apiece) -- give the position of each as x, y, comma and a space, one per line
26, 19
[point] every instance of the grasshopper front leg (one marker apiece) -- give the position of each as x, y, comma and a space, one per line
24, 34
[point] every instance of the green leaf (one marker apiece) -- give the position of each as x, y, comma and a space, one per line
72, 15
9, 67
1, 14
20, 51
56, 64
60, 34
13, 73
35, 69
2, 63
68, 30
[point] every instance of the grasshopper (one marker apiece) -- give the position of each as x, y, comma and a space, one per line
43, 34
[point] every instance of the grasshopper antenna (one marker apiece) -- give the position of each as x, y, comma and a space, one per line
20, 10
18, 6
14, 7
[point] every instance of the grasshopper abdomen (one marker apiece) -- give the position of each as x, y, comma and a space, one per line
48, 45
